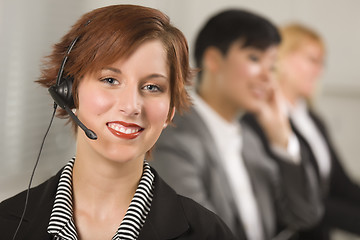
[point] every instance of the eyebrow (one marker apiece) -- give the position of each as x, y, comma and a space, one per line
112, 69
154, 75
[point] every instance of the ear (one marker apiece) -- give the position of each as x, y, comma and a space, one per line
212, 59
171, 118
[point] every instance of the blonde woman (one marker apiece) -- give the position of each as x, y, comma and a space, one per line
302, 54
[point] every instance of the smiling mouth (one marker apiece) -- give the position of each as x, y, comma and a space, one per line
124, 130
259, 92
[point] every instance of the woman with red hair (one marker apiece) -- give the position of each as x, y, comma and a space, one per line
122, 70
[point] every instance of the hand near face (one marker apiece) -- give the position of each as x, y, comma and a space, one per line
273, 118
243, 80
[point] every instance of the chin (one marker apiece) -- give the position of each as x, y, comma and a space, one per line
307, 93
119, 158
252, 106
121, 155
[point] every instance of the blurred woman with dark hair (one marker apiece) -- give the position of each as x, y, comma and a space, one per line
214, 157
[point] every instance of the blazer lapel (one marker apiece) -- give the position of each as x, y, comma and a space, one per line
214, 158
225, 196
262, 176
166, 219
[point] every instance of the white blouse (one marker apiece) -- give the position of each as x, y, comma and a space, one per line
300, 117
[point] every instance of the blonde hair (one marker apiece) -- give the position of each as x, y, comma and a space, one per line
294, 35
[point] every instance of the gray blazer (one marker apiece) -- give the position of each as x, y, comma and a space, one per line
186, 157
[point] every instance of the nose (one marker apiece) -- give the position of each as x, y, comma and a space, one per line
129, 101
266, 73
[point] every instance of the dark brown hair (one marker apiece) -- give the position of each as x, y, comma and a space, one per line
109, 33
231, 25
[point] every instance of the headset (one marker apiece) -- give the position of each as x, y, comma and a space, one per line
61, 92
62, 95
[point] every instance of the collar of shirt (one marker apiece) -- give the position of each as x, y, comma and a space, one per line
223, 132
61, 223
299, 114
299, 108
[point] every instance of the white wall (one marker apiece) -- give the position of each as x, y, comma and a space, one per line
29, 28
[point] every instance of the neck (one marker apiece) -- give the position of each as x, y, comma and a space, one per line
218, 102
101, 186
100, 183
102, 191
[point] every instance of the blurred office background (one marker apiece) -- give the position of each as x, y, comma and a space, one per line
28, 29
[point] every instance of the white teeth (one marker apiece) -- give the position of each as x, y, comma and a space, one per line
122, 129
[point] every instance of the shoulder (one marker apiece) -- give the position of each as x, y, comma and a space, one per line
188, 123
204, 222
178, 217
17, 202
187, 137
39, 205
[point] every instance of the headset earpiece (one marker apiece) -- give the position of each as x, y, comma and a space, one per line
64, 91
63, 97
61, 92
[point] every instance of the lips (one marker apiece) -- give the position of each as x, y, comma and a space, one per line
259, 92
124, 130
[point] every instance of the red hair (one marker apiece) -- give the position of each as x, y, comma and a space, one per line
109, 33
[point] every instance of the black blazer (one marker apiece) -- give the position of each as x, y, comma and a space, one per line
341, 196
171, 216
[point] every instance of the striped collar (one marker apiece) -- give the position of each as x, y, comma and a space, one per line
62, 225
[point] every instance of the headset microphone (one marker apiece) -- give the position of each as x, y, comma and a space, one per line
53, 90
61, 92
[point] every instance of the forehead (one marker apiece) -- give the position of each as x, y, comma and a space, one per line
150, 53
312, 44
312, 48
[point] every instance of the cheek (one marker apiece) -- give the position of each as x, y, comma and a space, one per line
235, 72
306, 73
253, 70
157, 111
94, 101
244, 76
302, 66
246, 71
314, 71
293, 68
